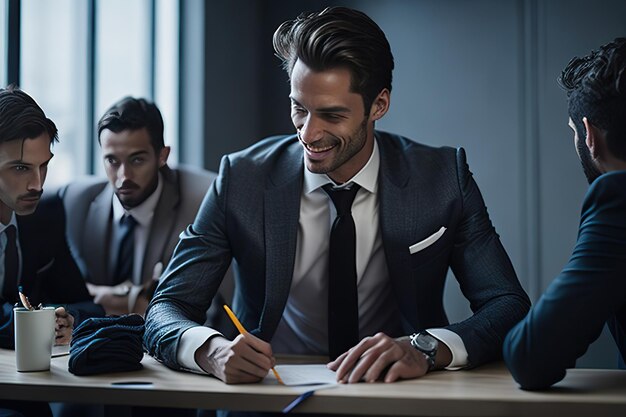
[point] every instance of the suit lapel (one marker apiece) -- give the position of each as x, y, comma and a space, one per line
96, 234
282, 212
162, 224
397, 224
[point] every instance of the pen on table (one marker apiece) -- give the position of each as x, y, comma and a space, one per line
242, 330
298, 401
137, 383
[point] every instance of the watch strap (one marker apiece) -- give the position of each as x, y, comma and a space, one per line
428, 354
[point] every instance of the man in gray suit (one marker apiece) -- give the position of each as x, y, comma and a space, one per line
123, 262
358, 289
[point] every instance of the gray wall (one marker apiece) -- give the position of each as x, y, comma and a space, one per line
475, 73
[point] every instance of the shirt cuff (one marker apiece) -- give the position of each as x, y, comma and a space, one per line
454, 342
190, 341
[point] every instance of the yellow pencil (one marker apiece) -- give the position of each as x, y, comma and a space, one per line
242, 330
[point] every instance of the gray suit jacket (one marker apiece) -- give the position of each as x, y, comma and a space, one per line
250, 215
88, 210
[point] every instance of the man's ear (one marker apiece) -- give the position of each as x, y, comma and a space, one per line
380, 105
594, 139
163, 155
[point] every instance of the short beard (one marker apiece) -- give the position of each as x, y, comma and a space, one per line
357, 141
150, 188
354, 143
589, 168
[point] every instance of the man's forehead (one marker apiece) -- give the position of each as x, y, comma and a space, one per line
34, 151
140, 135
126, 141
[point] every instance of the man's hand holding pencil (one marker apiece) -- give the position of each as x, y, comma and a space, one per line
246, 359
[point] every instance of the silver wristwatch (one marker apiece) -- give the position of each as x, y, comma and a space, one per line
427, 344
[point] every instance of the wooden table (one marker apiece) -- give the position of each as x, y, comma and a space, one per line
486, 391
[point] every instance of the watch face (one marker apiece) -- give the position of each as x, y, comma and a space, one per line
425, 342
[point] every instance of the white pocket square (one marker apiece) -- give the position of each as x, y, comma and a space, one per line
427, 242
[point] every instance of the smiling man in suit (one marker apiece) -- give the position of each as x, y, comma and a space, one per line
33, 251
341, 236
591, 289
123, 231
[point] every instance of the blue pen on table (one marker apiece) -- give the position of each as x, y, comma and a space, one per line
298, 401
137, 383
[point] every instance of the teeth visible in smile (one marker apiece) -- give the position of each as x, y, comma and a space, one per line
319, 149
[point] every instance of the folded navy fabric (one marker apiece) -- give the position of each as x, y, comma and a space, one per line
107, 344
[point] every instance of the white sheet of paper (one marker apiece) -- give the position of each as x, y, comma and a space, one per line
302, 375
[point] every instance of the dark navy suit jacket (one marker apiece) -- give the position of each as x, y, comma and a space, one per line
589, 292
49, 273
250, 216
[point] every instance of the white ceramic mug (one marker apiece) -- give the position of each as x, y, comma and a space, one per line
34, 337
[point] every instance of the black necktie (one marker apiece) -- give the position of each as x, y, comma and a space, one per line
126, 250
343, 306
9, 289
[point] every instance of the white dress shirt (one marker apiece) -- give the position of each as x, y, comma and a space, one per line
303, 328
143, 214
304, 325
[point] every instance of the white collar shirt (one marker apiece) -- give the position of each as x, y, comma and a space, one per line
143, 214
303, 328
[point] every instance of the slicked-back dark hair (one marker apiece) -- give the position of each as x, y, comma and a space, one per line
596, 89
339, 37
22, 118
131, 114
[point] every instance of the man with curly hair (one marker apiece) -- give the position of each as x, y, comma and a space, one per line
591, 289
